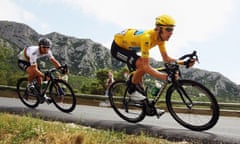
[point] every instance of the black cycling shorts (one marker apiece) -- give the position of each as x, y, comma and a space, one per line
23, 65
124, 55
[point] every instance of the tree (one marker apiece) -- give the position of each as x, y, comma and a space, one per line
6, 56
101, 76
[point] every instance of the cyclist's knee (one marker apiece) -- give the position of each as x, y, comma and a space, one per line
140, 63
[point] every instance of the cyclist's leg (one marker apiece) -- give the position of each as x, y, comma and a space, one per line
34, 73
31, 73
137, 77
24, 65
130, 58
126, 56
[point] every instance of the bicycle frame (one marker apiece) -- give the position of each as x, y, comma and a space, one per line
183, 94
46, 87
156, 98
181, 91
160, 93
43, 91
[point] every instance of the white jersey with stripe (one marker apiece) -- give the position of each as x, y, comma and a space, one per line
32, 54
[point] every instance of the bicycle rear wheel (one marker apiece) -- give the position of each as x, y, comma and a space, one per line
62, 95
126, 108
28, 97
192, 105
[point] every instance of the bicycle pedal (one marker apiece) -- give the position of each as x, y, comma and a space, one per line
48, 101
42, 100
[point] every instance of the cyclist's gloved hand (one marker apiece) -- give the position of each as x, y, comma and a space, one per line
171, 77
63, 69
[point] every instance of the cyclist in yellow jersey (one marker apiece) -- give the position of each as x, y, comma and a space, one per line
127, 43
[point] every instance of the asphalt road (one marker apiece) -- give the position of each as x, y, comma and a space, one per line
227, 130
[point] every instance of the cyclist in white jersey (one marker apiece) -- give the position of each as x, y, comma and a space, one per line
27, 59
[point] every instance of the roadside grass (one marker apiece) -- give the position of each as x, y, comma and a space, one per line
15, 129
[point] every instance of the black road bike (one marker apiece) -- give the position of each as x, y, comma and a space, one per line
189, 102
60, 93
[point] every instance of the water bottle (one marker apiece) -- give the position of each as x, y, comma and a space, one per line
156, 88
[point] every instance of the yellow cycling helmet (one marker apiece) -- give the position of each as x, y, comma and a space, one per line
165, 20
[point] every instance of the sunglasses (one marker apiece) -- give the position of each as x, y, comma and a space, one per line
46, 47
169, 29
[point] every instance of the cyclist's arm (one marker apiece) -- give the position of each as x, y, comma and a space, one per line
166, 57
145, 45
143, 65
55, 62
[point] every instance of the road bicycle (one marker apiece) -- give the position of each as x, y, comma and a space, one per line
60, 92
189, 102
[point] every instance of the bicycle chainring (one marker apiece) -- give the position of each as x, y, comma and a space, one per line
150, 110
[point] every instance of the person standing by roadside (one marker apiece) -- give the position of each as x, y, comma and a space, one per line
64, 77
109, 81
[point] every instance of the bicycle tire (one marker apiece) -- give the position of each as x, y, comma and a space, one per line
62, 95
28, 98
204, 111
121, 103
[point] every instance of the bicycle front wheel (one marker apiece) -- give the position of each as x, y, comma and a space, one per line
62, 95
27, 96
126, 108
192, 105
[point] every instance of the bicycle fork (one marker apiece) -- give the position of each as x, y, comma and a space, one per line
185, 98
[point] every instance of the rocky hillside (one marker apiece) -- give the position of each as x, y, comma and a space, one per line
219, 84
84, 56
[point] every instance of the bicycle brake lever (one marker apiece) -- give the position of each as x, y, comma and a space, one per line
197, 59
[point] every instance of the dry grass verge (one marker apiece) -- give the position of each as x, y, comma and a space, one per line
16, 129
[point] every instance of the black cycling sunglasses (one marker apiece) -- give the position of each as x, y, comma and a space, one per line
169, 29
45, 47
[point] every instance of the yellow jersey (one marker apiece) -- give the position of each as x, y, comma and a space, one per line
139, 41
